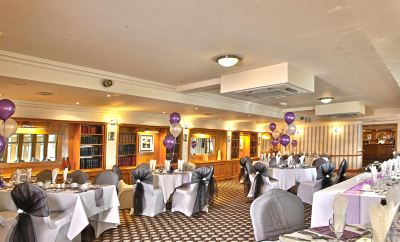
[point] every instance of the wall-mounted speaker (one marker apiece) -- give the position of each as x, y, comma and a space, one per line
107, 83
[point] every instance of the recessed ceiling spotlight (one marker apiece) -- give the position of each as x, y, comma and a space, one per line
228, 60
108, 95
325, 99
44, 93
196, 108
254, 122
77, 103
164, 112
1, 94
21, 83
282, 104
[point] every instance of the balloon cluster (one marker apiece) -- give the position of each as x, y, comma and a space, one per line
8, 126
175, 130
284, 139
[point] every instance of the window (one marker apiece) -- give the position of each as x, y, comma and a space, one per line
12, 149
26, 147
51, 147
39, 149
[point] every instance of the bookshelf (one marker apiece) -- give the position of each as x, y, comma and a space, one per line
91, 149
127, 146
176, 151
253, 144
235, 145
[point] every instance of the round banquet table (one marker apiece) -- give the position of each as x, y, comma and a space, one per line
288, 177
168, 182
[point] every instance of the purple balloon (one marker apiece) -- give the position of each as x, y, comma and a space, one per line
294, 143
275, 142
272, 126
284, 139
289, 117
169, 142
194, 144
174, 118
2, 144
7, 109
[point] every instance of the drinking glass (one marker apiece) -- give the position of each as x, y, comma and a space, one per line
69, 180
33, 179
335, 228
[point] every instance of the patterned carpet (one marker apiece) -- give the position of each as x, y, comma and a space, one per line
228, 219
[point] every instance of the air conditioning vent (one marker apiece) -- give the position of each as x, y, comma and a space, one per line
270, 92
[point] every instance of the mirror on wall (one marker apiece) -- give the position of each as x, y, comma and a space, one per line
203, 146
37, 142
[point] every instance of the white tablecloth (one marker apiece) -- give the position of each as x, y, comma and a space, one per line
287, 177
168, 182
83, 207
322, 202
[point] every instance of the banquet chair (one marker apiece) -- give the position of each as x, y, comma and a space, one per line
296, 159
260, 182
242, 173
44, 176
35, 222
106, 178
307, 189
78, 176
249, 170
125, 191
275, 213
212, 184
193, 199
341, 172
272, 162
146, 201
7, 223
319, 161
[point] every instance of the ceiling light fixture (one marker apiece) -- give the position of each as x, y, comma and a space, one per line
164, 112
282, 104
77, 103
228, 60
21, 83
325, 99
108, 95
196, 108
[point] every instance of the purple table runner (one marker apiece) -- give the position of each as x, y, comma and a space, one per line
353, 207
325, 230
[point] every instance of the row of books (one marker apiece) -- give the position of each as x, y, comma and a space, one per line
91, 140
127, 149
127, 138
126, 161
88, 163
91, 129
88, 151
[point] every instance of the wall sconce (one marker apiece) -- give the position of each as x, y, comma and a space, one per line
336, 130
299, 131
114, 122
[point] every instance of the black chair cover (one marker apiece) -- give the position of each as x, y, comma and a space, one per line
342, 170
249, 170
200, 176
319, 161
140, 175
117, 171
211, 183
296, 159
242, 172
260, 170
78, 176
272, 162
44, 175
327, 170
30, 201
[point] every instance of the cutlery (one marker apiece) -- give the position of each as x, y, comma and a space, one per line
297, 239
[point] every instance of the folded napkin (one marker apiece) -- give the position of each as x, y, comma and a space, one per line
384, 168
54, 174
269, 156
374, 173
290, 160
300, 237
302, 159
29, 170
381, 218
180, 164
278, 159
339, 211
18, 175
153, 164
167, 165
65, 174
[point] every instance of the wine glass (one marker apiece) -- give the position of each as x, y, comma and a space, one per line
69, 180
33, 179
336, 228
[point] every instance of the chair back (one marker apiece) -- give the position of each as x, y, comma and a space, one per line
249, 170
142, 174
242, 172
78, 176
44, 175
106, 178
342, 170
117, 171
275, 213
296, 159
199, 177
211, 182
260, 170
319, 161
30, 200
327, 171
272, 162
189, 166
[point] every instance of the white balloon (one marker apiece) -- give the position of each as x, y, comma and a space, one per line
175, 129
8, 128
276, 134
291, 129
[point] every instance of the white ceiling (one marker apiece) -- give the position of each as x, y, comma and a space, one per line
351, 46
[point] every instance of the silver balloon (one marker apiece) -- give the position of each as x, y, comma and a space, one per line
275, 134
8, 128
291, 129
175, 129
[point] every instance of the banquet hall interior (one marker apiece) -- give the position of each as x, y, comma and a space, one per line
188, 120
